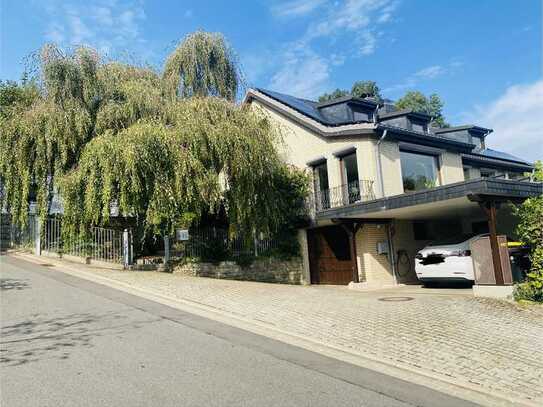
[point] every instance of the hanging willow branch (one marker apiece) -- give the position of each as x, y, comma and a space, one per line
211, 152
203, 65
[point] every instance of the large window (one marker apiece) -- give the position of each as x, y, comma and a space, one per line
321, 186
350, 178
419, 171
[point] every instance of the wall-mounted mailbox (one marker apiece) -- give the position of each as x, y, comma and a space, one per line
382, 247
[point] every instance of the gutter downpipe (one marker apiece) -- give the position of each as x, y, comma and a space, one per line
382, 190
379, 166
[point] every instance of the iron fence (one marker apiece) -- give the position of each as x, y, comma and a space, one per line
99, 244
215, 242
13, 235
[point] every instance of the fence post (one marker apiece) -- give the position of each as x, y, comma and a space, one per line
166, 249
127, 248
37, 233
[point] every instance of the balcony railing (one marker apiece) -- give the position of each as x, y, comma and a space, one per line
346, 194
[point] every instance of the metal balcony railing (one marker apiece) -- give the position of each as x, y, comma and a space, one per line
346, 194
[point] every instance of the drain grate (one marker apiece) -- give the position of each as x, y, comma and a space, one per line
47, 265
396, 299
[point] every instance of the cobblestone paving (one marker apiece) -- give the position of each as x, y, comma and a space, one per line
492, 344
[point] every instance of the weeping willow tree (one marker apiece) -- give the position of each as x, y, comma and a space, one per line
163, 148
41, 140
207, 152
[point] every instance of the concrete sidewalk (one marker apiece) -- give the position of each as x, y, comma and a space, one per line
479, 344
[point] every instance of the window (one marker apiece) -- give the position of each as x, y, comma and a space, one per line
350, 178
360, 114
419, 126
321, 187
478, 143
466, 173
419, 171
516, 175
487, 173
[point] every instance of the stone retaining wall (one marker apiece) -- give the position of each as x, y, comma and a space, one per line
264, 270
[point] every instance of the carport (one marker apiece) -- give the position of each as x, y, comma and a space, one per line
472, 203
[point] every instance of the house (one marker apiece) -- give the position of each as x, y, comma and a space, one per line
385, 183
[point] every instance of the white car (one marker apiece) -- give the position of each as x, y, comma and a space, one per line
446, 260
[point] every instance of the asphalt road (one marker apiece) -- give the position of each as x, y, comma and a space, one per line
67, 341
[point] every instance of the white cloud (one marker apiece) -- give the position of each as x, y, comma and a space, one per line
103, 16
517, 119
431, 72
296, 8
424, 74
105, 25
350, 16
387, 13
303, 74
368, 43
340, 30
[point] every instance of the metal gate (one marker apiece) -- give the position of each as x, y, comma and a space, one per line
99, 244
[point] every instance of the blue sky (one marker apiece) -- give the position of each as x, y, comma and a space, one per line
484, 58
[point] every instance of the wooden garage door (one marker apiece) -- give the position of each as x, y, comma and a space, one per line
330, 259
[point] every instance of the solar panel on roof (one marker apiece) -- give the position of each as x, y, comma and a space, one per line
302, 106
488, 152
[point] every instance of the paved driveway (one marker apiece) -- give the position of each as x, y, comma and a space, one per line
67, 341
449, 334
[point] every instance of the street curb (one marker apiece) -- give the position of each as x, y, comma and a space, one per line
443, 384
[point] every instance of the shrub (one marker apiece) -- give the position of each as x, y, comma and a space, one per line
530, 231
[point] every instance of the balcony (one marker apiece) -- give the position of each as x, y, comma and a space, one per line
346, 194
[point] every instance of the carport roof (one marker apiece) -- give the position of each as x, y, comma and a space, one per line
436, 202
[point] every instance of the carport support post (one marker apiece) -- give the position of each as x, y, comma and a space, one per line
490, 209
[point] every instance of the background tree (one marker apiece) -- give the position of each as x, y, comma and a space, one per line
418, 102
362, 89
333, 95
359, 89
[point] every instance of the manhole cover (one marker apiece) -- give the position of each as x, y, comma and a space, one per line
396, 299
46, 265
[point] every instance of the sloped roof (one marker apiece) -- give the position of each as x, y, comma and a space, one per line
315, 119
488, 152
304, 106
462, 127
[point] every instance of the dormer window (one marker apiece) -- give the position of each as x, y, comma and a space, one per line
469, 134
406, 119
478, 141
348, 109
419, 126
361, 115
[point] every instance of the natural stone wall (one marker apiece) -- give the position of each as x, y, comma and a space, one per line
264, 270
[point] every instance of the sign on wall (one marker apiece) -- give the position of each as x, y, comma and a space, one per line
182, 234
